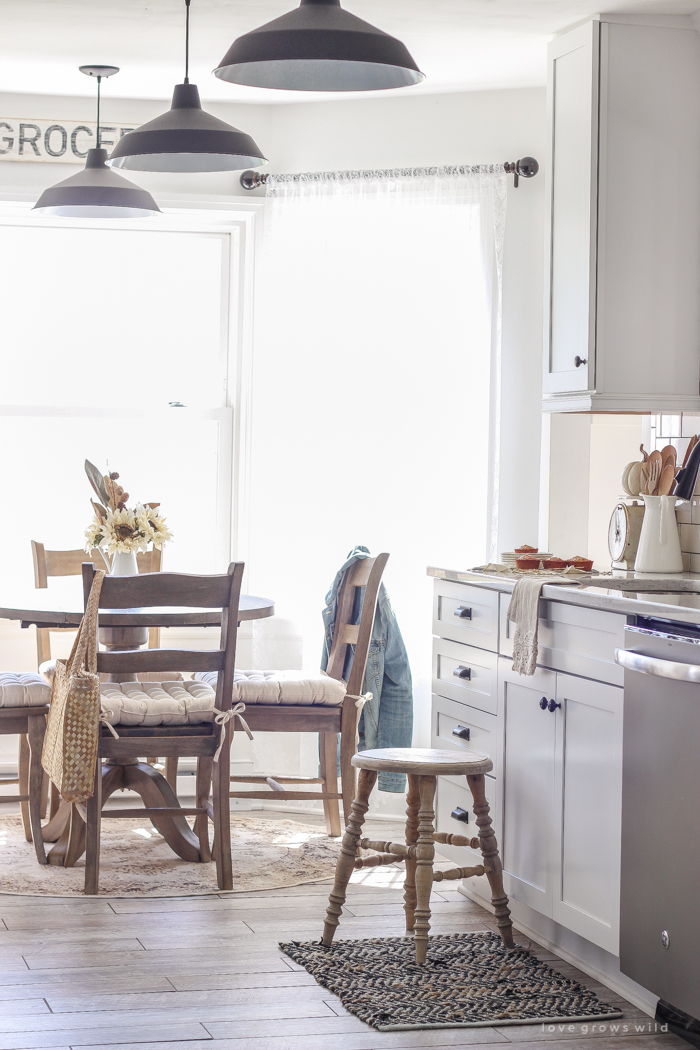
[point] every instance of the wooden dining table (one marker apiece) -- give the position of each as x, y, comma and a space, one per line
60, 606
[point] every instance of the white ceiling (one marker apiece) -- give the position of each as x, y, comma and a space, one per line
459, 44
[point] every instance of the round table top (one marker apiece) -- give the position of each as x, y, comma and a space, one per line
61, 605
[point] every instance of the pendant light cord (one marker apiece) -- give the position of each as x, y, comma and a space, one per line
187, 41
99, 81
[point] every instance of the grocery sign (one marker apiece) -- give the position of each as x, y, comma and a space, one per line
57, 141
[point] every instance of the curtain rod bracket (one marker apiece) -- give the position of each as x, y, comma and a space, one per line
524, 168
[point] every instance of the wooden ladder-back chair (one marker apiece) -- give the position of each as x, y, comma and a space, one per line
70, 563
326, 720
199, 740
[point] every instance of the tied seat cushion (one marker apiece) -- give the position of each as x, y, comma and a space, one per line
157, 703
23, 690
282, 687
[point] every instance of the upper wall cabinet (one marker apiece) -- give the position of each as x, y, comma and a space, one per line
622, 329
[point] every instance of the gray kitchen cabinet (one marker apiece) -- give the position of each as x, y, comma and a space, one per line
527, 785
561, 797
556, 787
586, 836
622, 332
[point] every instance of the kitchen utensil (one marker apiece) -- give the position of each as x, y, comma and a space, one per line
691, 445
644, 478
666, 480
659, 545
654, 472
668, 452
688, 475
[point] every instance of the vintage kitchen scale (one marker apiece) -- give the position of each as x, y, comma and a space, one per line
623, 533
626, 521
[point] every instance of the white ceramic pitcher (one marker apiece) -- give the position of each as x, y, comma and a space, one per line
659, 545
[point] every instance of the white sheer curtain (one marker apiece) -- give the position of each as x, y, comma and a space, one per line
375, 392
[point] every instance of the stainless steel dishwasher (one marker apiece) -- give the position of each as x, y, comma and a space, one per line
660, 879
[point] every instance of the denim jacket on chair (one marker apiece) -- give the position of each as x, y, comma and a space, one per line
387, 719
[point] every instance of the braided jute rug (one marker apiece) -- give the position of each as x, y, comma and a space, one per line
135, 860
469, 981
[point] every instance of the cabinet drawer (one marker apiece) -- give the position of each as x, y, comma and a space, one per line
465, 674
573, 639
450, 796
450, 720
466, 614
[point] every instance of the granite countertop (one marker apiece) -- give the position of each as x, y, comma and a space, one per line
612, 593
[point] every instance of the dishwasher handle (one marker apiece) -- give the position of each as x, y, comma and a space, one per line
679, 672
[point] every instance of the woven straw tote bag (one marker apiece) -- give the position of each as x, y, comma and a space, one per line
73, 723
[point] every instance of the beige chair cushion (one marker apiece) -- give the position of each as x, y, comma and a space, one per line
23, 690
157, 703
282, 687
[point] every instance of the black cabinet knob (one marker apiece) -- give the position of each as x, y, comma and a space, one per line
463, 672
463, 732
578, 361
552, 706
543, 703
464, 612
460, 814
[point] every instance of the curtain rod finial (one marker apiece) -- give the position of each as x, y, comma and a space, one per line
524, 168
252, 180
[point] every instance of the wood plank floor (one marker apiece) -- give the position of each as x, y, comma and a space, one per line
206, 974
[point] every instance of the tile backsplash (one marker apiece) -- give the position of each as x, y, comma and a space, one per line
677, 430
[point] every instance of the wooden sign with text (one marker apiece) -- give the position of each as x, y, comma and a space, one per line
57, 141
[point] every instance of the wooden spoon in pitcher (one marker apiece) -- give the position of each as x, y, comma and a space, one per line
667, 481
668, 455
655, 465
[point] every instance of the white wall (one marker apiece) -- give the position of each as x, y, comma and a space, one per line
583, 458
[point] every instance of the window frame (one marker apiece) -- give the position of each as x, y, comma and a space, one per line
238, 222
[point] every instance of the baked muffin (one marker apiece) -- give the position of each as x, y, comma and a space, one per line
527, 561
554, 563
579, 562
525, 549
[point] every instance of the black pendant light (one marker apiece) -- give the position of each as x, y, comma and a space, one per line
96, 192
186, 138
319, 47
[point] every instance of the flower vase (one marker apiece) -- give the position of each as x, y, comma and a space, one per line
124, 564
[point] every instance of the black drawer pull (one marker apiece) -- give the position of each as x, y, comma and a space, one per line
578, 361
463, 672
552, 706
460, 814
464, 612
463, 732
543, 703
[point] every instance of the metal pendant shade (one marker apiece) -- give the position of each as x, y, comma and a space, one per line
319, 47
186, 138
97, 193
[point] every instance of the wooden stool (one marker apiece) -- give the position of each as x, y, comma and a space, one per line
423, 767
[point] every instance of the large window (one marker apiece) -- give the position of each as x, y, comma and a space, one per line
116, 347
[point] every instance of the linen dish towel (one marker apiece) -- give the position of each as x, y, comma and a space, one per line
524, 612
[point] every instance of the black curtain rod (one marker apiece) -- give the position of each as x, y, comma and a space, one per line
525, 168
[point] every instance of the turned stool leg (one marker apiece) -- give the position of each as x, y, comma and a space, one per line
409, 886
492, 860
348, 851
425, 854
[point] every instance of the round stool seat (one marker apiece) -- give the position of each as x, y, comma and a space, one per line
428, 761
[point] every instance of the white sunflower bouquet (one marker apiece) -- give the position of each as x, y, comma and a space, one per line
117, 528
